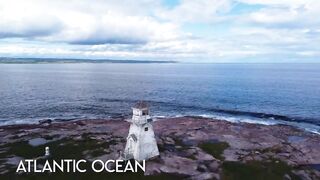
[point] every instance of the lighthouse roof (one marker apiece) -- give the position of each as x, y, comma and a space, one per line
141, 105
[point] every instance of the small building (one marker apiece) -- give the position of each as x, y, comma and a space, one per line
141, 141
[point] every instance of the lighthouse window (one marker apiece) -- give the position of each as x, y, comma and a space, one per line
144, 112
146, 129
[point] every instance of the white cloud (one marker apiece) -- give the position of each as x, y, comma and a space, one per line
196, 11
83, 22
277, 2
114, 29
285, 13
19, 19
147, 29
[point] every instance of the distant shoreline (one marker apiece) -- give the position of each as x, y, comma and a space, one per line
6, 60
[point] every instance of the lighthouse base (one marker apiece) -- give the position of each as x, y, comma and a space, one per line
141, 143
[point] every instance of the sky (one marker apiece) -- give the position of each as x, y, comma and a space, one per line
217, 31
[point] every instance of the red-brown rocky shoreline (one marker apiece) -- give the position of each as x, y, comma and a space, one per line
190, 147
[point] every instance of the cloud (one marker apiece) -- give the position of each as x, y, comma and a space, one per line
285, 14
196, 11
81, 22
112, 28
18, 20
201, 31
275, 2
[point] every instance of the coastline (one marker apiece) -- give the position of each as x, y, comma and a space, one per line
304, 126
192, 147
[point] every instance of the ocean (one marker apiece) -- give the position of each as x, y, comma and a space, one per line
254, 93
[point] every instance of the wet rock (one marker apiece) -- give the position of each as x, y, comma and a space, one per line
45, 122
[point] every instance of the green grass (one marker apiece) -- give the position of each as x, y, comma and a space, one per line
60, 149
255, 170
69, 148
66, 148
215, 149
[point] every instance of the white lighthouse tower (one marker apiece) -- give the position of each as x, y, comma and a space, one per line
141, 142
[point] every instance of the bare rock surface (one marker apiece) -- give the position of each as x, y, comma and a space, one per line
190, 147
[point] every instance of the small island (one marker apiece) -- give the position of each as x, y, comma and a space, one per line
190, 148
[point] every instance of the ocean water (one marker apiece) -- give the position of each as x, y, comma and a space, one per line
256, 93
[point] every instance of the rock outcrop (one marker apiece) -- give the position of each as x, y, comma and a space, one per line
190, 147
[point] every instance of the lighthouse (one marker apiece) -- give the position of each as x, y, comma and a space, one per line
141, 142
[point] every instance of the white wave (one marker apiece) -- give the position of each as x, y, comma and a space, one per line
271, 121
234, 119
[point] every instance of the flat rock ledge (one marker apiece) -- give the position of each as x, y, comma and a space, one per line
190, 148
